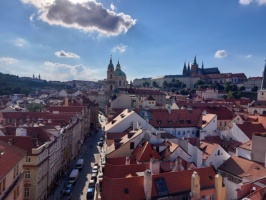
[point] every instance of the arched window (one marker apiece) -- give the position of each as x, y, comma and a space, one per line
119, 82
111, 76
111, 87
218, 153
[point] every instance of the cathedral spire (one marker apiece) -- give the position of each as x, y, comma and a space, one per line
111, 66
185, 69
118, 65
263, 85
195, 60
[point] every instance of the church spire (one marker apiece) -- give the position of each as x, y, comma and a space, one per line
111, 66
185, 69
263, 85
118, 65
195, 61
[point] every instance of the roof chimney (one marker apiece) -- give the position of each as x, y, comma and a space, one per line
154, 166
127, 160
195, 185
147, 184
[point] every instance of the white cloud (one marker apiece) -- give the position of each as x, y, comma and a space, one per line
220, 54
121, 48
20, 42
8, 60
248, 2
248, 56
112, 7
245, 2
261, 2
88, 16
64, 54
59, 71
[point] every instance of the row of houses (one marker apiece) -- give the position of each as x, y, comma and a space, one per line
38, 147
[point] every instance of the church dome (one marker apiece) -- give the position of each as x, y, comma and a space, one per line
119, 72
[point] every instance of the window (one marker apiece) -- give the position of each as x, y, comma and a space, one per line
178, 132
161, 186
224, 123
28, 159
221, 123
218, 153
212, 197
27, 192
27, 174
132, 145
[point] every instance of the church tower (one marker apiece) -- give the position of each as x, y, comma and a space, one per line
110, 81
185, 70
262, 92
194, 67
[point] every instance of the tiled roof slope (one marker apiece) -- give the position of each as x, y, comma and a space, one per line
122, 171
120, 160
175, 118
133, 188
145, 152
243, 168
10, 156
250, 128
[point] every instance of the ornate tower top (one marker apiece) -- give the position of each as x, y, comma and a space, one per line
118, 66
111, 66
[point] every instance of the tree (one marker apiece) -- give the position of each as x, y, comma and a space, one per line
254, 89
155, 84
34, 107
146, 84
242, 88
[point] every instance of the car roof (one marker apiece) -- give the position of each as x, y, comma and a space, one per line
90, 189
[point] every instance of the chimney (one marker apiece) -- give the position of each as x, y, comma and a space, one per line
147, 184
169, 109
195, 186
127, 160
219, 187
154, 166
66, 101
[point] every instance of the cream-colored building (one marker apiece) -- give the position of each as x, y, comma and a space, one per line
11, 171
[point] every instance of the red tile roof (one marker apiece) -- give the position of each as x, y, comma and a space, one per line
175, 118
250, 128
9, 157
145, 152
133, 188
123, 171
243, 168
120, 160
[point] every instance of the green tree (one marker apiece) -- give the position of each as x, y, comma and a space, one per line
34, 107
155, 84
254, 89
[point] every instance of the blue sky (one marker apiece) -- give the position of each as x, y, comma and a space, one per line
73, 39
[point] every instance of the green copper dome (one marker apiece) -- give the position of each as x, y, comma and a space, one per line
119, 72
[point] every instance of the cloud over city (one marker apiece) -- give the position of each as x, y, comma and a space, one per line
88, 16
121, 48
8, 60
220, 54
248, 2
64, 54
60, 71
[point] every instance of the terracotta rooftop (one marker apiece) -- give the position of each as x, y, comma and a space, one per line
175, 118
250, 128
145, 152
9, 158
123, 171
120, 160
243, 168
133, 188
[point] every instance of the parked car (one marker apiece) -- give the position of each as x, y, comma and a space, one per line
92, 183
68, 189
94, 176
90, 193
100, 143
95, 169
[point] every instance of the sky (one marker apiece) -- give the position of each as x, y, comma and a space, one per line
64, 40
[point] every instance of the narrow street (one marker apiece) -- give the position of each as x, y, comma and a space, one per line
91, 154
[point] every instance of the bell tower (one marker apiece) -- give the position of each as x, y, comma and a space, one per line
110, 81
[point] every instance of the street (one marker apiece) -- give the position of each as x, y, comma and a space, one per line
91, 154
